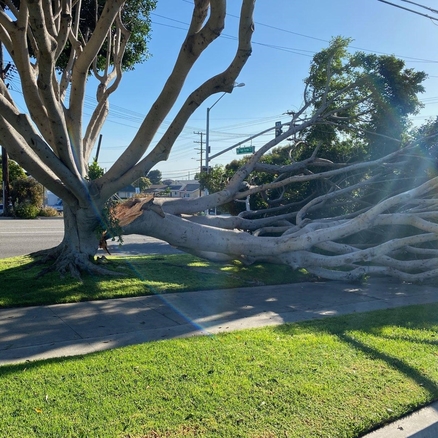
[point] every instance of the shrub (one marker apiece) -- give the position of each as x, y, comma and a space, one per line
27, 189
26, 210
48, 212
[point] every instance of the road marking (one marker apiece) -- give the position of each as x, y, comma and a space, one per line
27, 232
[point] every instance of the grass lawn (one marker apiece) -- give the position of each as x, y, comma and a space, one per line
337, 377
143, 275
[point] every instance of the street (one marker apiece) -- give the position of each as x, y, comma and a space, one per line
20, 237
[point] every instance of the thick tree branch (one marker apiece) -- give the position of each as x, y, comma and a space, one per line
197, 40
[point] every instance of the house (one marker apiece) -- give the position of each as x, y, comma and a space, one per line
158, 190
176, 189
127, 192
191, 190
185, 189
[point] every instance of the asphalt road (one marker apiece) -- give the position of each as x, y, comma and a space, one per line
20, 237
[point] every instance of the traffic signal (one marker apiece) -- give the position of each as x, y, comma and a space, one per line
278, 130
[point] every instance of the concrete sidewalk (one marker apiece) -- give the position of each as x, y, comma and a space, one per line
71, 329
31, 333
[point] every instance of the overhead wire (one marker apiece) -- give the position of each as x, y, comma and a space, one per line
410, 10
258, 23
124, 113
118, 113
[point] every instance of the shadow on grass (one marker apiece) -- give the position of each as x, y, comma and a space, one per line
140, 249
368, 333
22, 285
139, 276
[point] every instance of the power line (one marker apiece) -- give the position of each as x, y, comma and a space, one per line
412, 10
295, 50
421, 6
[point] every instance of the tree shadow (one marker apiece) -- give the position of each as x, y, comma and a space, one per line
141, 316
348, 329
80, 328
133, 249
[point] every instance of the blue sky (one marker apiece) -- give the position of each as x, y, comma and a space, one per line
287, 34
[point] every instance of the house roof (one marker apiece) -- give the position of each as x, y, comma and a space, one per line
191, 187
128, 189
155, 188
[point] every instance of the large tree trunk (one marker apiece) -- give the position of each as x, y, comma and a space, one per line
53, 142
76, 252
80, 231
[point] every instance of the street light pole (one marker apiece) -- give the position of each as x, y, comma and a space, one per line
207, 131
5, 159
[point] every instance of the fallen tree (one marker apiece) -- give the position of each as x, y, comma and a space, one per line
396, 237
378, 215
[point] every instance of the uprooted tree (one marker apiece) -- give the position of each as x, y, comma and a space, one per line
377, 214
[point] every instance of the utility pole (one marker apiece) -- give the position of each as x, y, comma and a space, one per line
201, 134
98, 148
5, 159
207, 131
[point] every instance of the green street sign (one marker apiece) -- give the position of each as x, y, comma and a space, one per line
245, 150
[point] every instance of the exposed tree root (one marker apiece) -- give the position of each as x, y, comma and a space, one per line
67, 262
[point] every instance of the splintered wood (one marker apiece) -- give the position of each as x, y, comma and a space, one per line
130, 210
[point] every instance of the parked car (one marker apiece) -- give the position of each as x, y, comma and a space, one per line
1, 208
59, 206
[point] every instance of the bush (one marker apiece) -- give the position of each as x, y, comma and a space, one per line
48, 212
27, 197
26, 210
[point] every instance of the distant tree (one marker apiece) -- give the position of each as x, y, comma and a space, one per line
427, 136
95, 171
142, 183
15, 171
388, 93
217, 179
154, 176
396, 92
214, 180
27, 197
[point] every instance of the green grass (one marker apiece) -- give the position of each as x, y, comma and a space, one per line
143, 275
337, 377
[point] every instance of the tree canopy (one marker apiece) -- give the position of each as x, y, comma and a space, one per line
385, 95
154, 176
135, 16
15, 171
